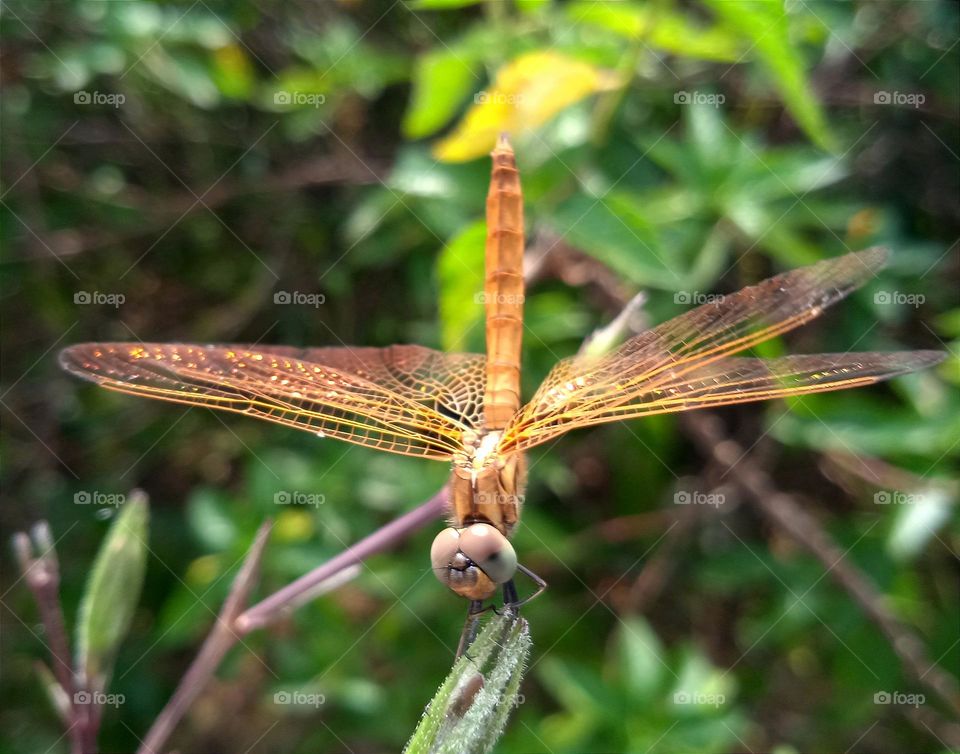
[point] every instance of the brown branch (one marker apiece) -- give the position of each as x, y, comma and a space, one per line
785, 513
159, 211
293, 595
235, 621
660, 566
42, 575
221, 638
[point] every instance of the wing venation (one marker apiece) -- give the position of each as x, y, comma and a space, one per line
687, 362
403, 399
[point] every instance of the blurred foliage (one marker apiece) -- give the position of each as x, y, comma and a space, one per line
112, 593
168, 167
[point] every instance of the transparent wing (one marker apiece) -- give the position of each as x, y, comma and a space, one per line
733, 380
403, 399
449, 383
686, 362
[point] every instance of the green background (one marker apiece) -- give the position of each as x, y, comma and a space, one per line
199, 197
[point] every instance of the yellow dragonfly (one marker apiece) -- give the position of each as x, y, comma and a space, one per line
465, 409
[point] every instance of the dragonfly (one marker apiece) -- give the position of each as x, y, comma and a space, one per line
465, 409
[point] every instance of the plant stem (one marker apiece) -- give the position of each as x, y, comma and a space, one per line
787, 514
219, 641
288, 598
234, 622
42, 574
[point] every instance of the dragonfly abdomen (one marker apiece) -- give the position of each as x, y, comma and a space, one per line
503, 289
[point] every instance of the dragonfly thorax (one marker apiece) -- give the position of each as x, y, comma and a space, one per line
486, 486
479, 450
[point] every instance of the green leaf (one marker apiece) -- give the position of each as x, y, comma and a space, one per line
793, 173
948, 323
59, 700
764, 24
531, 7
578, 688
674, 157
233, 72
461, 281
918, 517
208, 516
851, 425
441, 80
470, 709
615, 230
442, 4
714, 144
187, 76
112, 592
701, 688
660, 28
640, 659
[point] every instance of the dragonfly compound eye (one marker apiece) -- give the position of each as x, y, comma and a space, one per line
458, 570
490, 550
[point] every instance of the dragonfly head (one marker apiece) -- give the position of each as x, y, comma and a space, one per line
473, 561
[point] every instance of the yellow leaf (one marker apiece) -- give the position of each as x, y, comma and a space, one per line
293, 526
525, 93
232, 71
203, 570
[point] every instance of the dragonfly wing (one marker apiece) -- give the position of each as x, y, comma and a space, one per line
733, 380
390, 399
449, 383
692, 353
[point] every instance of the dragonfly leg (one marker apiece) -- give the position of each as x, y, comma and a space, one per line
510, 596
511, 602
540, 584
470, 627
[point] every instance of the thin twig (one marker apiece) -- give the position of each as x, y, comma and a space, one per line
660, 566
789, 516
786, 514
42, 575
234, 621
221, 638
159, 211
282, 602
